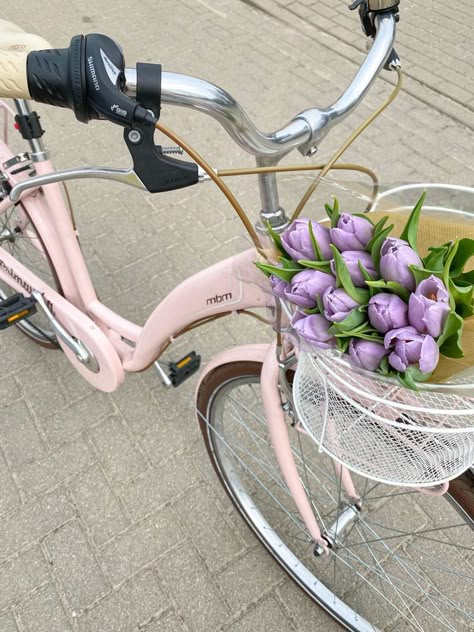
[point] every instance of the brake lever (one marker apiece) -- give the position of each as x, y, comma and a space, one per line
123, 176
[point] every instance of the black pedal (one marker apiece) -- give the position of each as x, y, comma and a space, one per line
184, 368
16, 308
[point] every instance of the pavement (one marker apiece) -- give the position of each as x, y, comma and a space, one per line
110, 517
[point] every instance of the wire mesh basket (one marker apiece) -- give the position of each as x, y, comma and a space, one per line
382, 430
372, 424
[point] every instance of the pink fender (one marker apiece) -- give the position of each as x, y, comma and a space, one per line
243, 353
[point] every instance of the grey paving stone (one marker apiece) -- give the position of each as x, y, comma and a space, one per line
21, 575
33, 521
296, 604
268, 614
208, 527
19, 436
98, 505
7, 623
120, 456
76, 417
141, 414
199, 602
169, 622
9, 390
162, 483
141, 545
128, 607
55, 467
43, 612
9, 495
249, 577
75, 567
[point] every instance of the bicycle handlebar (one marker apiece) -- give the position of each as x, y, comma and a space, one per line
21, 74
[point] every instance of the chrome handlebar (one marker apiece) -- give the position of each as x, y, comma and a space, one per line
304, 132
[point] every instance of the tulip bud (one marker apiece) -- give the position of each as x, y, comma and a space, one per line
337, 304
306, 285
296, 240
396, 256
314, 329
351, 233
366, 354
387, 312
351, 259
408, 348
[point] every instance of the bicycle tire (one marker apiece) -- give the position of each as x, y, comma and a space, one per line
26, 245
244, 475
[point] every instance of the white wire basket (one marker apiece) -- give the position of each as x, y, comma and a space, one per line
372, 424
380, 429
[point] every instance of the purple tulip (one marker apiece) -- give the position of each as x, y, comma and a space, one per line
428, 307
387, 312
366, 354
351, 233
396, 256
351, 259
314, 329
306, 284
296, 240
408, 347
337, 304
434, 289
278, 286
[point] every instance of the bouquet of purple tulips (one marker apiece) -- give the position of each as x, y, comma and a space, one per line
356, 288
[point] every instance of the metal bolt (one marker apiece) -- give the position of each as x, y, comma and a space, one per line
134, 136
311, 151
172, 150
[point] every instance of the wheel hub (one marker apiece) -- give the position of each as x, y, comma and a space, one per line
348, 514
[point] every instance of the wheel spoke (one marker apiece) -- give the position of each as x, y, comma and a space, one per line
397, 565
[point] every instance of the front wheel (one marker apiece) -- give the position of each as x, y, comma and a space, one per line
404, 562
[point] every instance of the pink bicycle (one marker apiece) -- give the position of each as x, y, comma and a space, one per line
373, 554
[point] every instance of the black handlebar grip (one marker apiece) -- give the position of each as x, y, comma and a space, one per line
55, 77
87, 78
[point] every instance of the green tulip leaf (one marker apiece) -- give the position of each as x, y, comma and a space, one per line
450, 341
464, 252
463, 298
390, 286
359, 295
364, 216
314, 310
380, 225
406, 379
281, 273
319, 304
317, 251
289, 264
421, 274
435, 260
465, 277
353, 320
410, 232
375, 244
449, 259
343, 344
324, 266
276, 239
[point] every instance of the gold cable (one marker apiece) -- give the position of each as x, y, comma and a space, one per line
224, 173
347, 144
217, 180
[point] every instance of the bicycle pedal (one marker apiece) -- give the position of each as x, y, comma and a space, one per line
182, 369
16, 308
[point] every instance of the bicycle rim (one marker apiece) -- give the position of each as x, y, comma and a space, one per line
405, 563
19, 237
